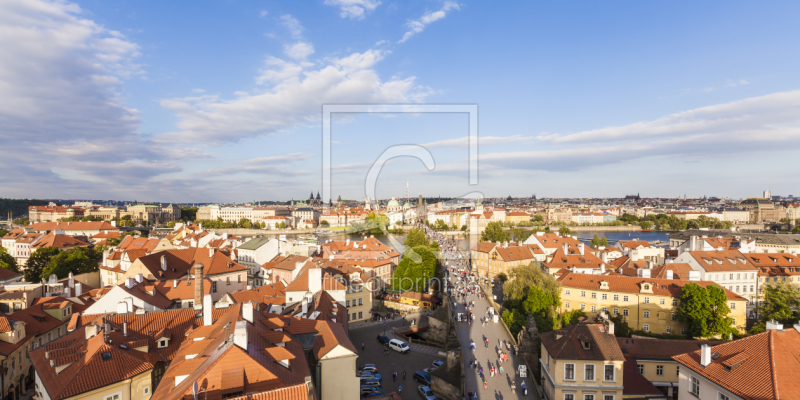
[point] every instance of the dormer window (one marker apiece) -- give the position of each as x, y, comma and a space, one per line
586, 345
163, 343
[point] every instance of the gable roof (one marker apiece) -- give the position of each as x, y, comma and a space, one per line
762, 366
569, 346
630, 284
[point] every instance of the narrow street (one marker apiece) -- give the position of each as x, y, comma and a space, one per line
500, 386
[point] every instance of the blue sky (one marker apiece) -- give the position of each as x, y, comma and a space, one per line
221, 101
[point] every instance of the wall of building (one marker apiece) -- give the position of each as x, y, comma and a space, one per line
336, 375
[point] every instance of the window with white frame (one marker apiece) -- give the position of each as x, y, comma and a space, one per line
674, 302
721, 396
660, 370
646, 328
661, 301
733, 306
568, 396
588, 397
594, 295
605, 296
640, 367
608, 373
616, 311
695, 390
616, 297
583, 293
146, 390
674, 317
646, 300
583, 306
594, 308
569, 372
567, 292
624, 298
669, 329
625, 312
647, 314
566, 304
588, 372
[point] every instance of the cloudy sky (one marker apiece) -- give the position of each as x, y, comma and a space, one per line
221, 102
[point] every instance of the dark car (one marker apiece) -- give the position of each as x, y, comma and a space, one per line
383, 339
422, 377
369, 390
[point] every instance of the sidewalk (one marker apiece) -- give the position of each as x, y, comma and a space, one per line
409, 317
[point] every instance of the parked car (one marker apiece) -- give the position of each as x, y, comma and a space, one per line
369, 368
426, 393
371, 382
438, 363
422, 377
399, 346
383, 339
366, 389
367, 375
376, 394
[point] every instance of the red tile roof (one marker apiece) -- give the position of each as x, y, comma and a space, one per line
762, 366
629, 284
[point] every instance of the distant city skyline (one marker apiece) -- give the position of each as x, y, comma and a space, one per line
222, 103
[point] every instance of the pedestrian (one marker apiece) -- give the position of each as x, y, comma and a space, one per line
404, 374
501, 370
485, 385
400, 388
394, 377
362, 346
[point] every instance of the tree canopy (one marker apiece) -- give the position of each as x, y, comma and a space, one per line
416, 237
78, 260
564, 231
531, 291
7, 261
779, 303
598, 242
494, 233
416, 276
37, 263
705, 310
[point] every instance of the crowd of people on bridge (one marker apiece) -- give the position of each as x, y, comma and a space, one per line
463, 291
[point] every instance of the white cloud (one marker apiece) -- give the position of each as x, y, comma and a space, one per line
62, 102
354, 9
293, 25
482, 141
290, 93
264, 165
760, 116
736, 82
263, 13
418, 25
299, 50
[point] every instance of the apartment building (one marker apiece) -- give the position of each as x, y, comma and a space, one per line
491, 259
730, 269
371, 255
359, 289
578, 259
762, 366
87, 229
254, 253
641, 250
648, 304
550, 242
581, 362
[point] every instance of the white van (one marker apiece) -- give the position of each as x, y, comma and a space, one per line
399, 346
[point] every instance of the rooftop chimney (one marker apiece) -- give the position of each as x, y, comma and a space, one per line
129, 283
208, 310
247, 312
78, 289
581, 248
139, 278
210, 252
125, 329
774, 326
198, 286
240, 334
314, 280
71, 280
602, 268
91, 331
604, 257
565, 249
705, 355
163, 263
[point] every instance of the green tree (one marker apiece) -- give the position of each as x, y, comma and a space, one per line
628, 219
796, 229
416, 276
37, 263
519, 235
3, 232
704, 310
283, 225
24, 221
538, 218
245, 223
494, 233
502, 277
416, 237
463, 228
572, 317
78, 260
595, 243
324, 224
263, 225
779, 304
564, 231
645, 225
188, 213
7, 261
